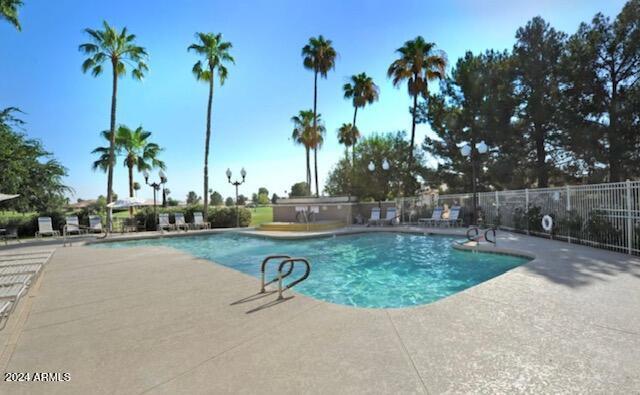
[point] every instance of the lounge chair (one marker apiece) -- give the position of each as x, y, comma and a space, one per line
10, 233
95, 224
198, 222
72, 225
453, 218
163, 222
391, 217
375, 216
14, 279
11, 270
45, 227
435, 217
180, 222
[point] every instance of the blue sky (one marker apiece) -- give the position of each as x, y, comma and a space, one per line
40, 73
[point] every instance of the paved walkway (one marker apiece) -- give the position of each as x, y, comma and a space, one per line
157, 320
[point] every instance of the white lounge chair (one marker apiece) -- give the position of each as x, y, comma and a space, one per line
11, 270
163, 222
95, 224
13, 279
453, 218
391, 217
72, 225
375, 216
198, 222
435, 217
45, 227
180, 223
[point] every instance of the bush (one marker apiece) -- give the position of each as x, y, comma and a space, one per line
571, 224
601, 230
225, 217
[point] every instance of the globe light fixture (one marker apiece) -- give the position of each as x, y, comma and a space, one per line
465, 150
385, 164
236, 184
371, 166
482, 147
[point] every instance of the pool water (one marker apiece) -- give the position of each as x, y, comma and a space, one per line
378, 270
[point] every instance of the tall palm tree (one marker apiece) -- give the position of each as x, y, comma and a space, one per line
215, 56
362, 91
316, 140
119, 49
419, 63
9, 11
303, 123
320, 57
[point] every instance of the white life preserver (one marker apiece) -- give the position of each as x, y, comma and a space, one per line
547, 223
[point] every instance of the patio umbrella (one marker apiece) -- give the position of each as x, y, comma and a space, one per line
127, 202
4, 196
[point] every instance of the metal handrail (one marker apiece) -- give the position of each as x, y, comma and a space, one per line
292, 261
475, 237
263, 268
487, 239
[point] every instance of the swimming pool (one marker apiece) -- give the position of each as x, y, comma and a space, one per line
378, 270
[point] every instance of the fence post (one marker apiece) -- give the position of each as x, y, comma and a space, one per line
568, 211
629, 219
526, 207
497, 209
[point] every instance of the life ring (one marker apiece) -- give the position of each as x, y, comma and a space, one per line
547, 223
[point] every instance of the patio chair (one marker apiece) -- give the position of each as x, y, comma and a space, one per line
391, 217
129, 225
13, 279
375, 216
198, 222
10, 233
95, 224
11, 270
435, 217
163, 222
45, 227
180, 222
72, 225
453, 218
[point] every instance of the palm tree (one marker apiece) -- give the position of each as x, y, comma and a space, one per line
319, 56
419, 63
9, 11
362, 91
138, 153
215, 54
120, 50
345, 137
316, 139
303, 123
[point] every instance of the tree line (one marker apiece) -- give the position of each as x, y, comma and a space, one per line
555, 109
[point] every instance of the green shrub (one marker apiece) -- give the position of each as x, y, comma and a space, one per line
571, 224
601, 230
225, 217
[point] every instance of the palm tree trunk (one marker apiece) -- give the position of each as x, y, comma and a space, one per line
130, 166
413, 138
315, 121
112, 141
206, 147
308, 172
315, 160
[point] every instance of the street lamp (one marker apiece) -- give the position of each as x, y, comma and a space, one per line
385, 167
473, 152
156, 187
237, 183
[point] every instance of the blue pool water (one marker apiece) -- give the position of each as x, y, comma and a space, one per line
365, 270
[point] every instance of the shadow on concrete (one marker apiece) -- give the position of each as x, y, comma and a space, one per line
269, 304
575, 265
253, 297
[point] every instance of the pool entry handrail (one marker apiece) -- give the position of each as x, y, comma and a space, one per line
291, 262
475, 230
263, 268
486, 236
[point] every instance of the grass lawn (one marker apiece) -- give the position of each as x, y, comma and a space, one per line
260, 215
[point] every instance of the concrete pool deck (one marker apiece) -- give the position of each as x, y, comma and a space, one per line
156, 320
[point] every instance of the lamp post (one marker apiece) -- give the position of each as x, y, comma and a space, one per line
385, 167
237, 183
156, 187
473, 152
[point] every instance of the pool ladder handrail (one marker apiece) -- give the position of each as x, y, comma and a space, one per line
292, 262
263, 271
477, 236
